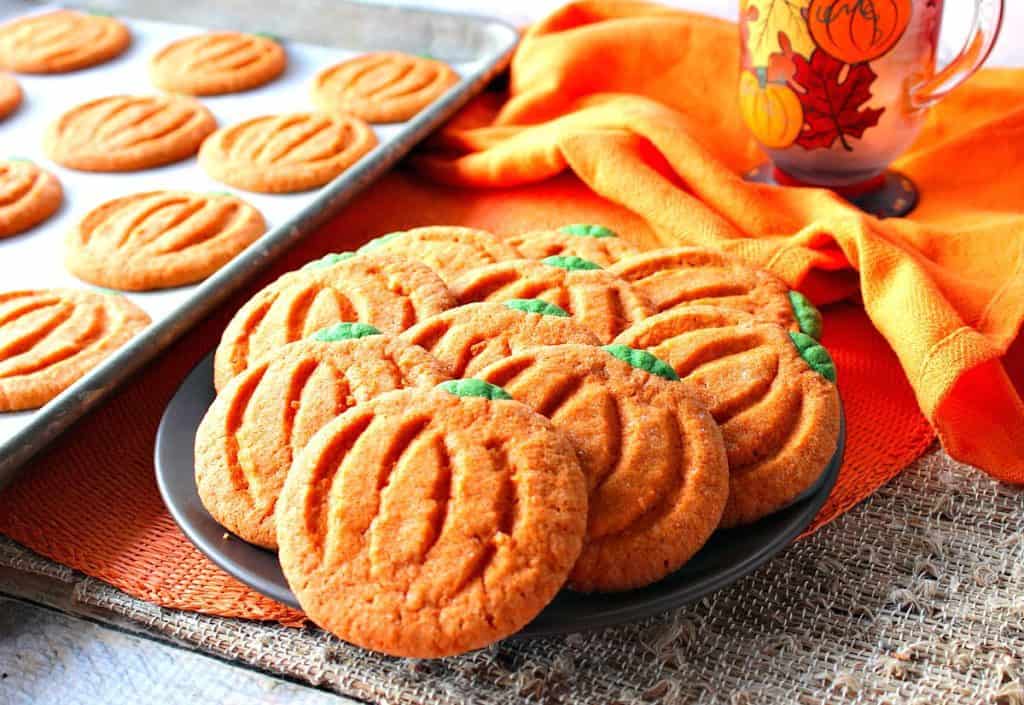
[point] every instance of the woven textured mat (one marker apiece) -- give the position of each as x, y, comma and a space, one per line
916, 596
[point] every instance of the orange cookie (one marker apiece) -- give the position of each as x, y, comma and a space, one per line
685, 276
28, 196
282, 153
594, 243
653, 457
382, 87
49, 338
10, 95
59, 41
771, 390
216, 63
390, 293
468, 338
426, 523
264, 416
160, 239
447, 249
595, 298
128, 133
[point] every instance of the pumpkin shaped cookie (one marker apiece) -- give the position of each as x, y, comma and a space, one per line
217, 62
387, 292
49, 338
10, 95
685, 276
59, 41
447, 249
468, 338
653, 457
430, 523
28, 196
264, 416
285, 153
595, 243
593, 297
769, 389
382, 86
160, 239
127, 133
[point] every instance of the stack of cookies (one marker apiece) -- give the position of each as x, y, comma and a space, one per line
442, 430
163, 239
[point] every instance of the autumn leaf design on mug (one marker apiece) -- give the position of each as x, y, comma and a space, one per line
833, 104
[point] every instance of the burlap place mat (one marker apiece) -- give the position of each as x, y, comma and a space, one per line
916, 596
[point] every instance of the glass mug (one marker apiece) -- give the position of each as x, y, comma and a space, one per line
835, 90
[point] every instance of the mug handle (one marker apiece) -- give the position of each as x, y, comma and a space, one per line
988, 20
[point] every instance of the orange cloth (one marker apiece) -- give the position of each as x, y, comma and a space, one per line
639, 102
666, 173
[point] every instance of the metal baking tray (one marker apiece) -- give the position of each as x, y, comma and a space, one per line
315, 33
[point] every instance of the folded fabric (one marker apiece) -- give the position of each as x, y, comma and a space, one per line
639, 101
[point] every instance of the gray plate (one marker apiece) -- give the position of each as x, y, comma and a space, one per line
482, 43
727, 557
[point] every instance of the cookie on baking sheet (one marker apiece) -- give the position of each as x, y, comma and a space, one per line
771, 390
390, 293
10, 95
427, 523
595, 298
684, 276
128, 133
382, 87
283, 153
264, 416
49, 338
59, 41
28, 195
595, 243
468, 338
160, 239
652, 456
449, 250
216, 63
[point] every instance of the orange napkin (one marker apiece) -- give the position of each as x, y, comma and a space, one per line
639, 102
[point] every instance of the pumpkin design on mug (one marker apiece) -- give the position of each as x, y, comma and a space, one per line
772, 111
857, 31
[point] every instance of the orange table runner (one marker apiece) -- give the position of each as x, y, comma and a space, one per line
944, 288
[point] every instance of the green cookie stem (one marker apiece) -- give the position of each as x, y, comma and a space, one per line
473, 388
377, 242
537, 306
815, 355
570, 263
344, 331
329, 260
583, 230
806, 314
642, 360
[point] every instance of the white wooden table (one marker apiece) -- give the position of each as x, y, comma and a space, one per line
51, 653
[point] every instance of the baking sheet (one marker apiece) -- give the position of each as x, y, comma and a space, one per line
35, 259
